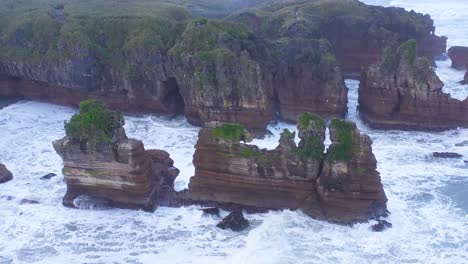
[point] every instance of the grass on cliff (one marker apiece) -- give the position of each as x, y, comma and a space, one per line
310, 147
94, 123
230, 132
343, 150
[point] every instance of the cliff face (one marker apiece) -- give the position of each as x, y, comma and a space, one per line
217, 76
111, 166
342, 189
284, 60
357, 32
403, 92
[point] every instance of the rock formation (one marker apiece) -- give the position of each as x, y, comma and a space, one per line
459, 57
234, 221
342, 185
5, 174
357, 32
465, 78
278, 60
100, 161
403, 92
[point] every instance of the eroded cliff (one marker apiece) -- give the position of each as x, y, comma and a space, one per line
101, 162
341, 185
403, 92
275, 61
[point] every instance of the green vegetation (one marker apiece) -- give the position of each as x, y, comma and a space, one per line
307, 119
342, 151
94, 123
249, 152
388, 61
287, 134
312, 149
230, 132
116, 34
407, 50
204, 36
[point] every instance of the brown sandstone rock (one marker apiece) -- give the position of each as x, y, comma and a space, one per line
459, 57
119, 170
349, 185
403, 92
5, 174
238, 176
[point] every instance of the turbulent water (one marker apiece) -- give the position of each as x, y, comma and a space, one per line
427, 197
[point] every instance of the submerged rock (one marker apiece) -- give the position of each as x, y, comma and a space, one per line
101, 162
234, 221
5, 174
381, 226
342, 185
211, 211
459, 57
403, 92
48, 176
447, 155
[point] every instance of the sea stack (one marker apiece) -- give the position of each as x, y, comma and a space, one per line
403, 92
459, 57
100, 161
341, 185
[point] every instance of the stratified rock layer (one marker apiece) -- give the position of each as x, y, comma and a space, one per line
241, 176
403, 92
5, 174
274, 61
459, 57
119, 170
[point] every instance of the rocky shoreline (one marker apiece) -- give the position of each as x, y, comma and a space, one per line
271, 62
341, 185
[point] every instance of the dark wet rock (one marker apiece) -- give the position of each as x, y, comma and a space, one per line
459, 57
465, 78
381, 226
5, 174
28, 201
48, 176
211, 211
447, 155
234, 221
7, 197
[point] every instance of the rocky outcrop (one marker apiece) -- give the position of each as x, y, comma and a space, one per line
357, 32
234, 221
447, 155
342, 185
100, 161
5, 174
403, 92
282, 62
459, 57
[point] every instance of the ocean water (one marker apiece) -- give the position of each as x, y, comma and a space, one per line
427, 197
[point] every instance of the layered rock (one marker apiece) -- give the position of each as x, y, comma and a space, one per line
100, 161
349, 184
5, 174
235, 175
459, 57
358, 32
217, 76
403, 92
281, 64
